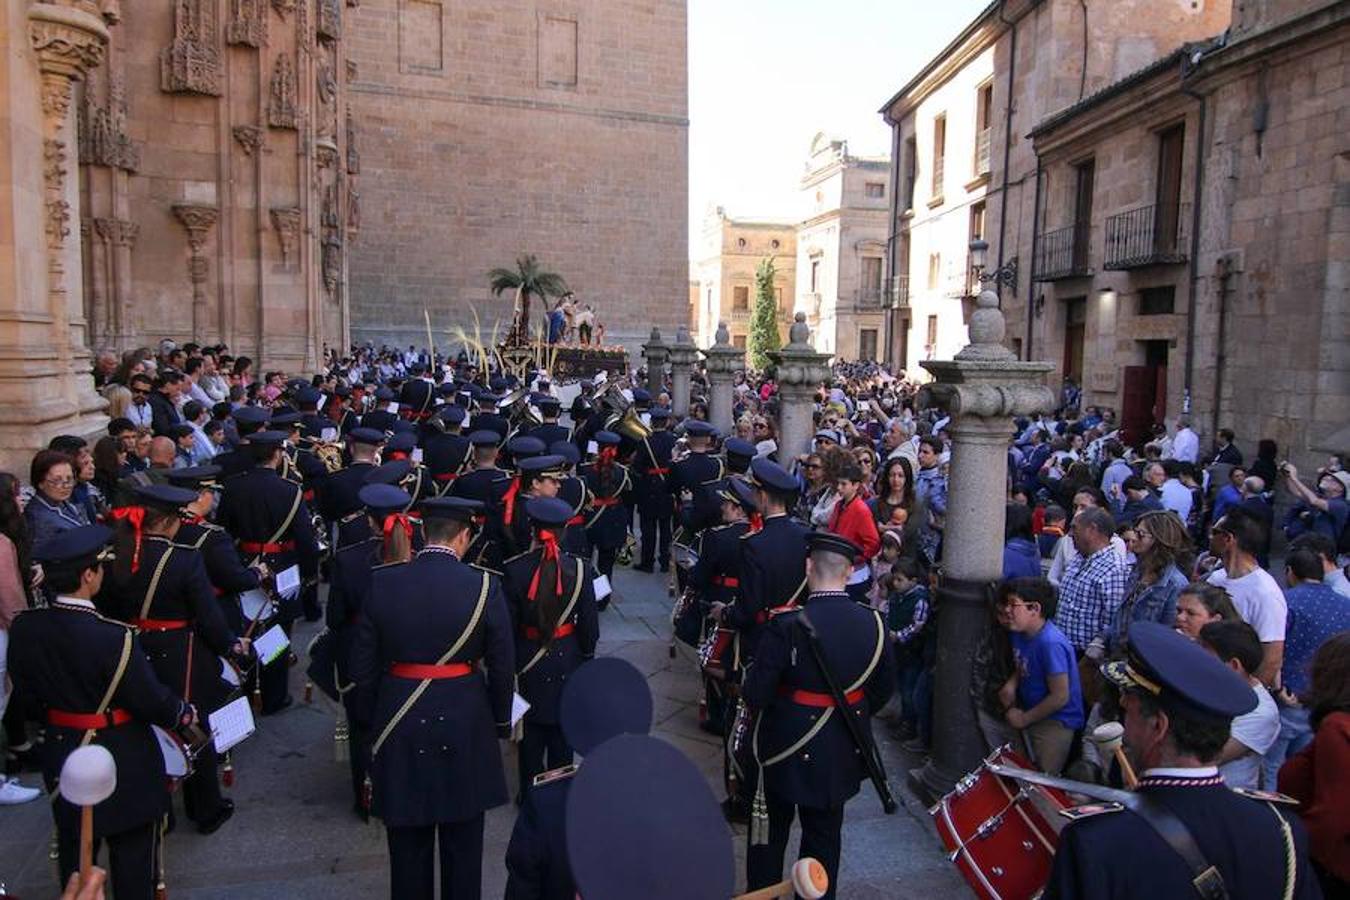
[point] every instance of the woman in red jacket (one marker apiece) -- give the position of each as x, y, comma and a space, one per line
852, 519
1319, 776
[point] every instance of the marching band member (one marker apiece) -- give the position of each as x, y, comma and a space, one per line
485, 484
338, 502
572, 489
651, 487
268, 519
695, 475
551, 597
550, 431
448, 453
434, 714
90, 680
161, 588
608, 482
809, 766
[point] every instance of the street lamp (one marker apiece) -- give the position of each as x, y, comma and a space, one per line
1003, 276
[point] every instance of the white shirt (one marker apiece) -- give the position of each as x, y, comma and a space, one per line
1258, 599
1177, 497
1185, 446
1257, 731
140, 415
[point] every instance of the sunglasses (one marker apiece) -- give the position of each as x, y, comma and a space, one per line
812, 466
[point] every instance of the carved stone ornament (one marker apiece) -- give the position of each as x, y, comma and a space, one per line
118, 232
326, 91
248, 23
281, 103
191, 64
329, 25
198, 220
283, 7
286, 222
353, 155
249, 137
353, 209
332, 262
64, 48
103, 129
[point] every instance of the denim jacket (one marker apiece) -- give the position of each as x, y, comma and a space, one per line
1156, 602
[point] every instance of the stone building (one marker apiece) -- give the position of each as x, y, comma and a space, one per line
727, 255
491, 129
1207, 202
964, 166
841, 249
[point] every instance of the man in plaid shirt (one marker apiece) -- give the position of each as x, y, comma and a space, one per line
1094, 587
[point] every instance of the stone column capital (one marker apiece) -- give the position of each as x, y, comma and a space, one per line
198, 220
69, 38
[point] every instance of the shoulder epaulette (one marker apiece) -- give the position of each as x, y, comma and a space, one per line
1265, 796
1088, 810
559, 774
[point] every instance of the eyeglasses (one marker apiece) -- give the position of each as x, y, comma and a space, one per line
59, 482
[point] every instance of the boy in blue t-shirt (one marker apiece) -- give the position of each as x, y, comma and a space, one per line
1043, 698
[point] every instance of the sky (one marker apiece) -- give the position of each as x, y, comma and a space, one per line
766, 75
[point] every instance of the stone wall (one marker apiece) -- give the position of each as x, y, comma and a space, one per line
491, 129
218, 177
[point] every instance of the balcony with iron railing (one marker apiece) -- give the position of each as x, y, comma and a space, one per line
1064, 253
983, 143
898, 292
1148, 236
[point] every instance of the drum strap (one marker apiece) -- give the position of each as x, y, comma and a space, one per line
426, 682
562, 619
1206, 879
285, 524
118, 674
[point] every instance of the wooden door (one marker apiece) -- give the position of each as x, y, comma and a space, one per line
1136, 404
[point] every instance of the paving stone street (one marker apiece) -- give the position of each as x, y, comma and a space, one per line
293, 835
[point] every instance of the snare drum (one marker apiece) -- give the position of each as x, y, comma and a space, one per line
179, 756
718, 655
1000, 833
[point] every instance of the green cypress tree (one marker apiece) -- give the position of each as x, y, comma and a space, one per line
763, 336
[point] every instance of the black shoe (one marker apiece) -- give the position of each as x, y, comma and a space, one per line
665, 568
284, 704
644, 567
212, 825
361, 812
711, 726
735, 811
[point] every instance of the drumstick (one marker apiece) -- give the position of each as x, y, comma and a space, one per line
1108, 737
1126, 770
88, 777
809, 880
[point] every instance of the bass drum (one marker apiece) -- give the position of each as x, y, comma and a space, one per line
1001, 834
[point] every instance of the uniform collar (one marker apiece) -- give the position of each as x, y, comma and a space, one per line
1199, 776
75, 603
1196, 772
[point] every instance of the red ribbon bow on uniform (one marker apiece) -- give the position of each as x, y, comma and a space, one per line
136, 516
756, 522
606, 457
509, 499
550, 542
397, 519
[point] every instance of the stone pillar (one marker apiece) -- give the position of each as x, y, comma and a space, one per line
723, 361
799, 371
45, 388
683, 355
655, 353
983, 388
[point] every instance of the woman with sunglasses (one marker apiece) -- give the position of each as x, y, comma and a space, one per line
51, 509
1163, 556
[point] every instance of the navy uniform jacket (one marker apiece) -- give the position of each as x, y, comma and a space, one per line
542, 685
348, 588
416, 398
233, 462
584, 429
487, 486
607, 523
183, 594
717, 574
446, 454
489, 421
651, 467
1100, 856
441, 762
550, 433
380, 420
773, 572
536, 858
827, 770
253, 506
696, 474
312, 425
64, 658
574, 493
339, 501
226, 571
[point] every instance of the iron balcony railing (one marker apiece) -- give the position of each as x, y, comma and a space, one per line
983, 141
1147, 236
1064, 253
898, 292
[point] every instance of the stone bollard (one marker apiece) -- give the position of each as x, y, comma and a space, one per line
982, 389
655, 353
723, 361
798, 371
683, 355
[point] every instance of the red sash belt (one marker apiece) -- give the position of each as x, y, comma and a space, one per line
576, 520
445, 476
607, 501
532, 634
260, 547
111, 719
659, 470
817, 699
308, 495
420, 671
416, 415
161, 624
726, 581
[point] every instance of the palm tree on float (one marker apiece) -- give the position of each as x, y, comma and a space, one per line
527, 280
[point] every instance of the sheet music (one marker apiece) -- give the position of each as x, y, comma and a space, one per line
271, 644
231, 724
417, 454
393, 407
256, 605
328, 434
602, 588
519, 706
288, 581
323, 398
592, 447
